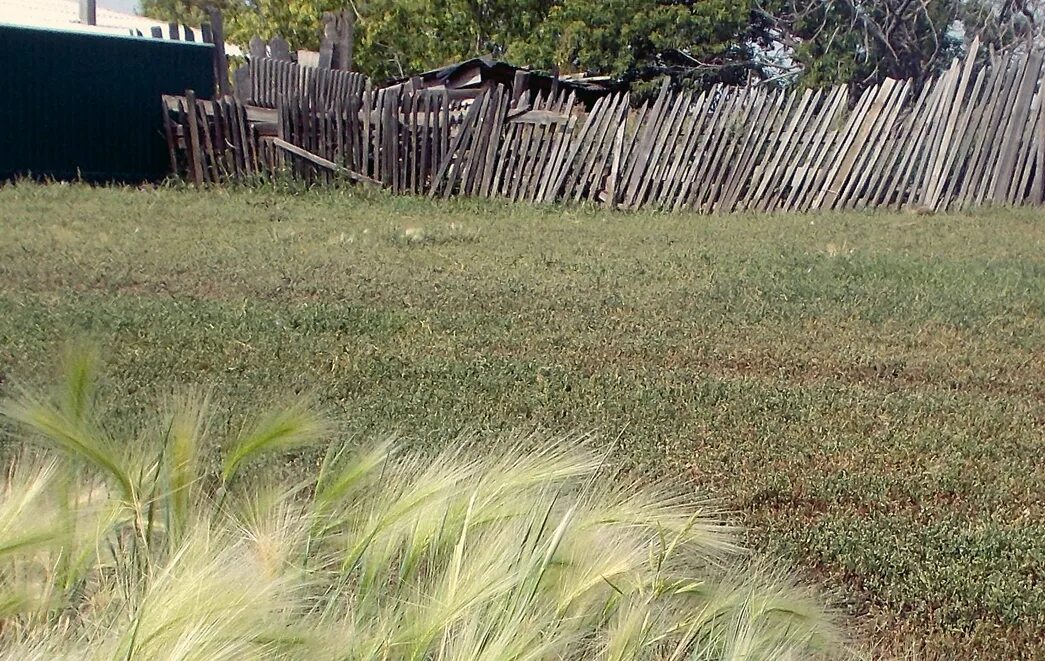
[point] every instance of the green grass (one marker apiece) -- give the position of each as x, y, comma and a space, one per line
865, 391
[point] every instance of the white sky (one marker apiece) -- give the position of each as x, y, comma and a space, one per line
129, 6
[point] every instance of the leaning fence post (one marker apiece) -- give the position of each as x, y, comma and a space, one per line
221, 60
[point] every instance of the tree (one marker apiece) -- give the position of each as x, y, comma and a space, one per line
640, 40
695, 42
185, 12
1005, 25
636, 40
861, 42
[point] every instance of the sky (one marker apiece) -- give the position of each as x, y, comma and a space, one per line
129, 6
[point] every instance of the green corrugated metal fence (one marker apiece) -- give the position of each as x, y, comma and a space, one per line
86, 105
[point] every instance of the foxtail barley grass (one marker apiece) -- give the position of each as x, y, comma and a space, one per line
134, 550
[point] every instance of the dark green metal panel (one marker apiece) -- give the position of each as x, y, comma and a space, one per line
78, 104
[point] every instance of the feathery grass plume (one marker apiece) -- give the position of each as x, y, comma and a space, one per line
281, 430
212, 600
81, 367
72, 434
24, 521
526, 552
188, 413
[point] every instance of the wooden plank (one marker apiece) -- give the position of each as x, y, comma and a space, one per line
741, 151
803, 194
868, 157
579, 181
1004, 170
168, 131
668, 131
640, 157
341, 142
449, 154
885, 181
493, 146
196, 157
838, 152
251, 157
821, 151
1026, 154
720, 105
598, 170
366, 153
680, 151
767, 192
536, 156
722, 144
413, 157
391, 138
539, 159
220, 150
378, 145
618, 147
427, 101
547, 151
945, 158
322, 162
921, 176
921, 129
955, 172
855, 144
1038, 186
765, 118
444, 141
235, 148
989, 144
210, 166
522, 146
472, 149
789, 153
579, 141
466, 134
539, 117
546, 191
630, 142
703, 118
221, 60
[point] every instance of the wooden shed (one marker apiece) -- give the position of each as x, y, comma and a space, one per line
479, 72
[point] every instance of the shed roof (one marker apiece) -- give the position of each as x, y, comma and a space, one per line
475, 71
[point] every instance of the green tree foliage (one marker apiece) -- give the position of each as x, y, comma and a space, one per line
697, 42
185, 12
630, 39
861, 42
640, 39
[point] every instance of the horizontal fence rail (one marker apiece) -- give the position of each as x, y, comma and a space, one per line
969, 137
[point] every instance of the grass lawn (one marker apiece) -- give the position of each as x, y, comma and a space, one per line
866, 392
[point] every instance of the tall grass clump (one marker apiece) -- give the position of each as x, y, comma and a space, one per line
152, 547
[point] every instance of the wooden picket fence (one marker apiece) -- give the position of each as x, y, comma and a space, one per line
264, 81
974, 135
